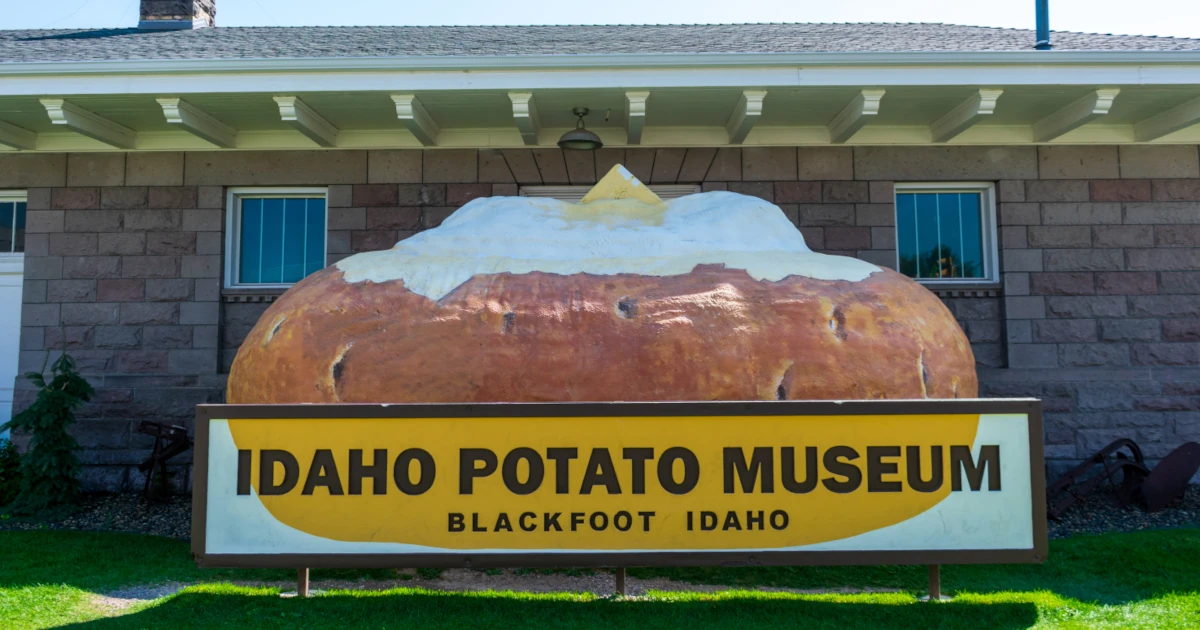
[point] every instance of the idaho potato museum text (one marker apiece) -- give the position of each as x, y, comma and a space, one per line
676, 470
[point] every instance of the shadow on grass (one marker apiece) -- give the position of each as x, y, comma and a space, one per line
1107, 569
429, 610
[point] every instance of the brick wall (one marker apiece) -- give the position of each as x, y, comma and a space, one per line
1102, 297
122, 268
1098, 312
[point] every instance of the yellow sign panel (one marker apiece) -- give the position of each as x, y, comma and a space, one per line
694, 479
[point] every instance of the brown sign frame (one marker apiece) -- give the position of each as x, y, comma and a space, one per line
469, 559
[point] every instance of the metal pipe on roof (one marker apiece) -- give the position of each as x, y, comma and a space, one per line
1043, 25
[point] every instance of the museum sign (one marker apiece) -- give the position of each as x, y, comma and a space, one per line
619, 484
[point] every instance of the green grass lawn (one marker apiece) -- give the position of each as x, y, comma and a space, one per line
1141, 580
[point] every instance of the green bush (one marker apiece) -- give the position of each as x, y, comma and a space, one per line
10, 472
50, 469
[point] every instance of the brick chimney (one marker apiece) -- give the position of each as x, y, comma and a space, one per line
177, 15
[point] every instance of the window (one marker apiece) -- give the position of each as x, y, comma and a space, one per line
946, 233
572, 194
275, 237
12, 222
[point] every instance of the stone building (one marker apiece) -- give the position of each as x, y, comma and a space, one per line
134, 162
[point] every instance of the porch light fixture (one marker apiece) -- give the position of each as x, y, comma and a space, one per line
579, 138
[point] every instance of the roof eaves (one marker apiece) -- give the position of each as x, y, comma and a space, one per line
615, 61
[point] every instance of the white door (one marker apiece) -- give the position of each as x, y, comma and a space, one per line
12, 272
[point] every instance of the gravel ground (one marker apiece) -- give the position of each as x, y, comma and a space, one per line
121, 513
1100, 513
599, 582
1096, 514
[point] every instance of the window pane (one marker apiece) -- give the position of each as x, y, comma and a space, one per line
928, 265
282, 239
314, 258
19, 232
972, 235
250, 249
295, 224
906, 233
950, 233
7, 212
272, 242
940, 235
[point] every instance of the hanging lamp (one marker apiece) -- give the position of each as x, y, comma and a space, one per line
579, 138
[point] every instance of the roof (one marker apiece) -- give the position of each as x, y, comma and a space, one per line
18, 46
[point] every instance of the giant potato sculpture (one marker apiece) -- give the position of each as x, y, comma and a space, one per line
711, 296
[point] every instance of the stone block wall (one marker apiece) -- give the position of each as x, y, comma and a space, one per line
122, 269
1098, 312
1102, 297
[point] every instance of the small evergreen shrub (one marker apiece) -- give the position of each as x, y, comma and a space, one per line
50, 469
10, 472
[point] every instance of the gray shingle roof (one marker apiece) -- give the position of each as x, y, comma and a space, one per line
398, 41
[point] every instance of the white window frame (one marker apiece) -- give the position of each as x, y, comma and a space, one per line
573, 194
988, 223
16, 196
233, 227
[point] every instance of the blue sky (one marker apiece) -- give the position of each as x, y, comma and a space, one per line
1179, 18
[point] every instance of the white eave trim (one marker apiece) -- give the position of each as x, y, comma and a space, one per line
617, 61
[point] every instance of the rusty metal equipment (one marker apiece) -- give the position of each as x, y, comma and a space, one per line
1122, 465
169, 441
1169, 479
